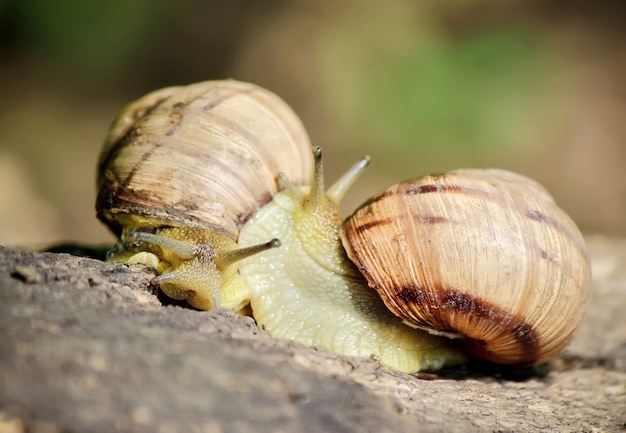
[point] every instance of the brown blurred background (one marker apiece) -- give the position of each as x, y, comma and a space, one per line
537, 87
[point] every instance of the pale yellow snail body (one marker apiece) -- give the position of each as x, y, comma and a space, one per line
183, 168
308, 291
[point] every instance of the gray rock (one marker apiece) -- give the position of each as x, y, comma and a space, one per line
87, 346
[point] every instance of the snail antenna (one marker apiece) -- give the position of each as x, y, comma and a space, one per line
316, 195
336, 192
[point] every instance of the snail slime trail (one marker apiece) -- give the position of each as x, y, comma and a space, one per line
308, 290
183, 168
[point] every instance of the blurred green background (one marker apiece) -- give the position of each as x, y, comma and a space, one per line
533, 86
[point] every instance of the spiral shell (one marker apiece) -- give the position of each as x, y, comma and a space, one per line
203, 155
484, 254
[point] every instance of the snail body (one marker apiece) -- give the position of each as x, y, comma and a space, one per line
308, 291
183, 168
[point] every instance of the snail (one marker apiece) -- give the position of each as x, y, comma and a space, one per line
484, 257
161, 182
431, 272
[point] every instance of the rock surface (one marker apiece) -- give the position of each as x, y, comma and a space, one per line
87, 346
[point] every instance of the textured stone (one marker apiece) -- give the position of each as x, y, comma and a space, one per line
87, 346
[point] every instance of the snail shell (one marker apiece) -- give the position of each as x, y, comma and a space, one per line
486, 254
183, 168
202, 155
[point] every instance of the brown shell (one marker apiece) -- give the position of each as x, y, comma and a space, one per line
484, 253
204, 155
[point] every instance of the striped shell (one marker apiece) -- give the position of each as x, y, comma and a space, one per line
482, 253
202, 155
